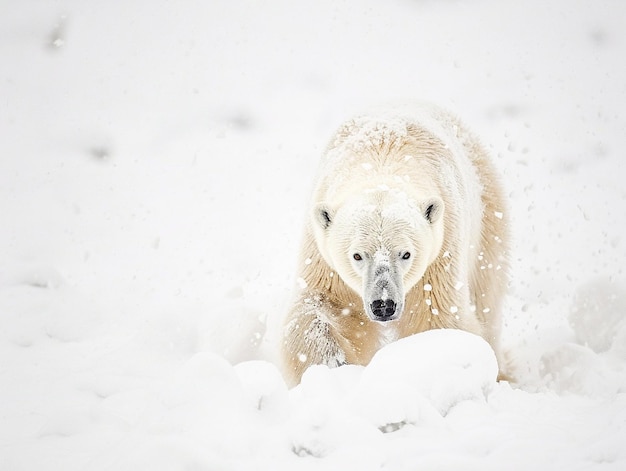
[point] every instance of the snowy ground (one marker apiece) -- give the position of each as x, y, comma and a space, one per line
155, 163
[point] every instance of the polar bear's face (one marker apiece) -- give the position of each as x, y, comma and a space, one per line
380, 244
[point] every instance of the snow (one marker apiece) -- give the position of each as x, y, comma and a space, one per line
155, 163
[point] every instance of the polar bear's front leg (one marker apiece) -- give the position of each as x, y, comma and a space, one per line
308, 339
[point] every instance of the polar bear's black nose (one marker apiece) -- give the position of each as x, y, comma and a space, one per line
383, 309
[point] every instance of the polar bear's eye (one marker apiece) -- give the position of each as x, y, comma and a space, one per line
357, 257
406, 255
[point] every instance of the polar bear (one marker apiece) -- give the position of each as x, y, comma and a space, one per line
407, 232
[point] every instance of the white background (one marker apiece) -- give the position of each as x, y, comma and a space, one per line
155, 164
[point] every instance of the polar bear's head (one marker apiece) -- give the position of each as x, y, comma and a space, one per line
380, 243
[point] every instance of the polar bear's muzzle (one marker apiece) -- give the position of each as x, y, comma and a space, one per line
383, 295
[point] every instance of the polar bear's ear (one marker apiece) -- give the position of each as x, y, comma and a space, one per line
323, 215
432, 209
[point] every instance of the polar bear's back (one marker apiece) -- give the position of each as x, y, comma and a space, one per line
360, 141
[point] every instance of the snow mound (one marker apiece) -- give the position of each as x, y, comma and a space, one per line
577, 369
444, 367
591, 366
598, 316
414, 381
264, 388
